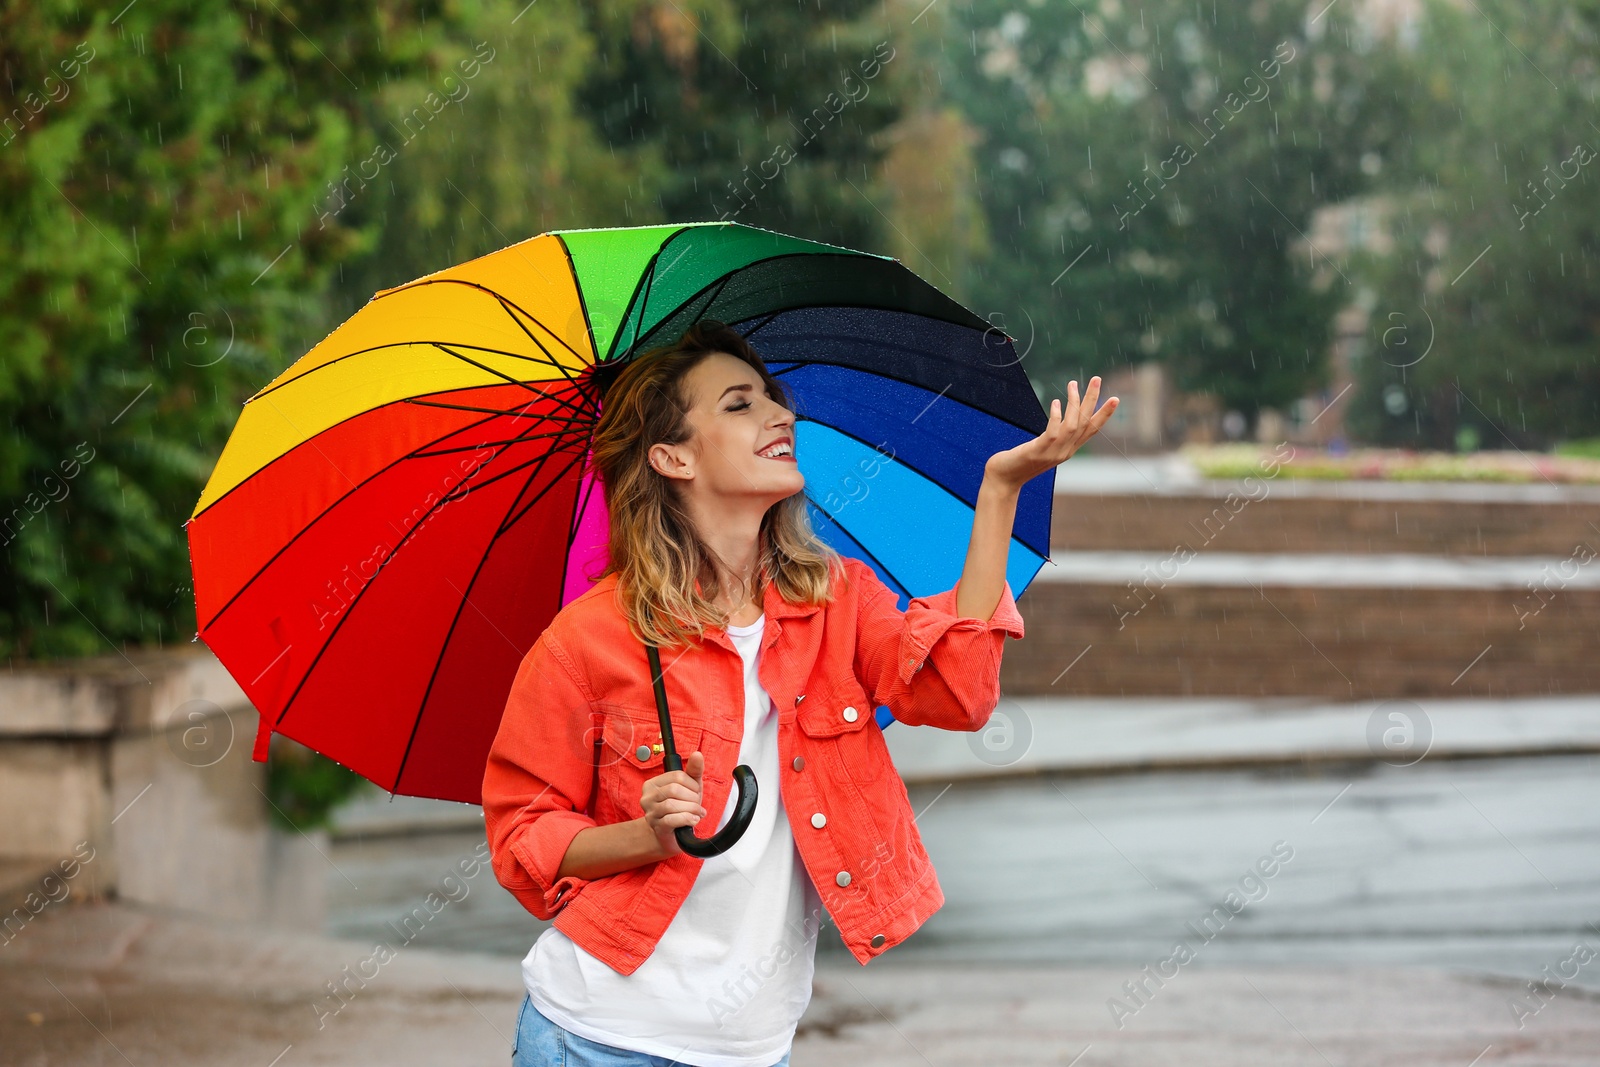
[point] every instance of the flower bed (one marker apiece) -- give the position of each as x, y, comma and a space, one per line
1396, 465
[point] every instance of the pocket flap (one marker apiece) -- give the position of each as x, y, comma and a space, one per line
632, 737
842, 709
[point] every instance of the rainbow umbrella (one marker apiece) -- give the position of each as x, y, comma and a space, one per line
398, 515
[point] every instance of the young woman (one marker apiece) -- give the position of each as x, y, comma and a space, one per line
775, 651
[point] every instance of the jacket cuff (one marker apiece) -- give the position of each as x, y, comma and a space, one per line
929, 618
540, 849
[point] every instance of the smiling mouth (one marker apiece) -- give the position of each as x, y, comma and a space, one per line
778, 451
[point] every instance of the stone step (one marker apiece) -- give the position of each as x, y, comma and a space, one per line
1336, 642
1295, 517
1150, 571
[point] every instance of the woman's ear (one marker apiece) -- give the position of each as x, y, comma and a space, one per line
670, 461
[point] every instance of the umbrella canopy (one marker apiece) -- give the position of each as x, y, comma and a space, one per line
398, 515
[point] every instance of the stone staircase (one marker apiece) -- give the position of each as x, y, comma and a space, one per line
1341, 591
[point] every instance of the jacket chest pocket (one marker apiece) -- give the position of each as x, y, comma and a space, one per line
631, 753
841, 717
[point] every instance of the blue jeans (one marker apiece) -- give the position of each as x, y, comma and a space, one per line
542, 1043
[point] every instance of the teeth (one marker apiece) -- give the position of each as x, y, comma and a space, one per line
778, 450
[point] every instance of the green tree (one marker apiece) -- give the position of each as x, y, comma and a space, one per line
630, 112
490, 159
1496, 270
764, 114
1152, 170
156, 173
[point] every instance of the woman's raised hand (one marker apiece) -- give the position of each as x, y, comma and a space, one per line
1064, 435
672, 800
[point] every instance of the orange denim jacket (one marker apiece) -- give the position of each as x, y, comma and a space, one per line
582, 710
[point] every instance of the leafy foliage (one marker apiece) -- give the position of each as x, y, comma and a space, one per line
1497, 224
1150, 171
304, 787
156, 175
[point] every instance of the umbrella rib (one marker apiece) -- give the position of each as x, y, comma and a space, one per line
580, 506
274, 387
520, 438
513, 305
503, 300
711, 298
868, 552
641, 297
510, 412
518, 516
350, 610
461, 605
720, 282
799, 364
541, 458
646, 278
723, 279
752, 332
924, 475
299, 533
441, 346
466, 488
918, 471
507, 306
510, 306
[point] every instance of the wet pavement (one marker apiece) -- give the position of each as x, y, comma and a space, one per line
100, 985
1489, 865
1382, 915
1426, 915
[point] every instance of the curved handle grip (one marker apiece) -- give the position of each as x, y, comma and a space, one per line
743, 776
743, 811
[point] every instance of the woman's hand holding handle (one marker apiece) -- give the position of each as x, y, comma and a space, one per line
672, 800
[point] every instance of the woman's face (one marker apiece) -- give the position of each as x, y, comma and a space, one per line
743, 443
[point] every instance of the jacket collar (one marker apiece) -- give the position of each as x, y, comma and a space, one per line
772, 604
776, 609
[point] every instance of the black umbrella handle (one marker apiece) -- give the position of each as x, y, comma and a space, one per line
743, 777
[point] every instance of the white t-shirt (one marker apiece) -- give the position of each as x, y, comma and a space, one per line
731, 976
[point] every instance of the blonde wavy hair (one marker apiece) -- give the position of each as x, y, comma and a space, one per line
655, 549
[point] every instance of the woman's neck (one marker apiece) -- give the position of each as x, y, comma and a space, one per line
734, 538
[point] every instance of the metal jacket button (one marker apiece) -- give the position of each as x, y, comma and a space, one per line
819, 820
799, 763
843, 878
877, 940
849, 714
643, 752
